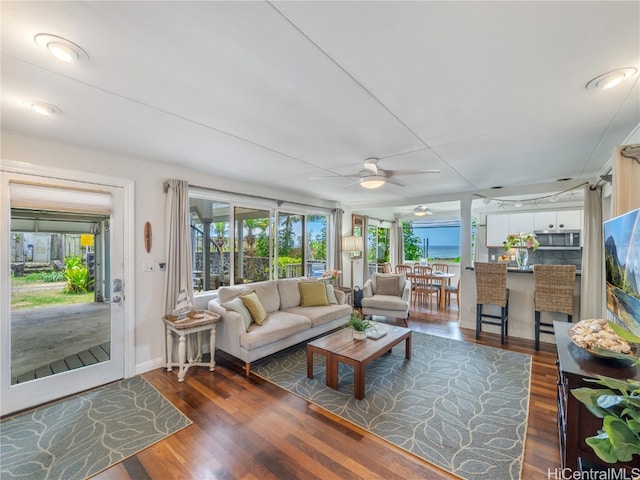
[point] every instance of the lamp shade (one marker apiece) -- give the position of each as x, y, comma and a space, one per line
352, 244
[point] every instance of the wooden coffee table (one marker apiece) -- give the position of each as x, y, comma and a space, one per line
341, 347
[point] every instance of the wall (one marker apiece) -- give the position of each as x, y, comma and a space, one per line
149, 177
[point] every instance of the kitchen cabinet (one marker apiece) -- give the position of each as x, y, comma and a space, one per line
520, 222
497, 229
558, 220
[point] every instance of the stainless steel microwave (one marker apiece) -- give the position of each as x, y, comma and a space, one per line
564, 240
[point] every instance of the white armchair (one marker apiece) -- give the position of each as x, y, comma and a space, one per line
386, 294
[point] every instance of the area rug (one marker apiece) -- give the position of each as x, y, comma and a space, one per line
80, 436
458, 405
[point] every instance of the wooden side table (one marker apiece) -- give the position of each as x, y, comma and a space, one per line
348, 292
197, 321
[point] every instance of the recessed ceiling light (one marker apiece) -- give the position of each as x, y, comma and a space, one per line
61, 48
611, 79
42, 108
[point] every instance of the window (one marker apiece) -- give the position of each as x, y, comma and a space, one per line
316, 243
378, 248
265, 242
211, 262
252, 245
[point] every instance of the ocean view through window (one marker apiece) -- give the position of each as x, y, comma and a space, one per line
438, 241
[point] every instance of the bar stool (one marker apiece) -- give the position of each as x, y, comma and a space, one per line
491, 289
553, 293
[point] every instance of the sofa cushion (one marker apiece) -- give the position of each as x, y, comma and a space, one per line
289, 292
388, 286
331, 294
253, 304
399, 277
313, 294
385, 302
324, 314
226, 294
277, 326
237, 305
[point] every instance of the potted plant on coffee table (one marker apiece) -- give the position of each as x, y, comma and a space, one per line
359, 325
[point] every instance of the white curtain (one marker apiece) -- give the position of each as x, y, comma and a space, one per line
337, 241
626, 179
365, 251
397, 242
178, 243
592, 279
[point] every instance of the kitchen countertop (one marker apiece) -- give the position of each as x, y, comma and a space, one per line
528, 270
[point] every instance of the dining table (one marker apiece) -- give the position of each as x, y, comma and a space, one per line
443, 278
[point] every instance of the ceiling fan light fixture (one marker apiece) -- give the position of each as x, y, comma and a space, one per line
61, 48
372, 181
611, 79
421, 211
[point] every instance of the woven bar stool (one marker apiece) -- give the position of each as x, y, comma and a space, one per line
491, 289
553, 293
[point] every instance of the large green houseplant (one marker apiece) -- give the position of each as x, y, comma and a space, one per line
619, 407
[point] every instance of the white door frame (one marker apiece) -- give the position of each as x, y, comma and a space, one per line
128, 306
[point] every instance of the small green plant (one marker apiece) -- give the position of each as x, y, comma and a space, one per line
77, 276
358, 323
619, 407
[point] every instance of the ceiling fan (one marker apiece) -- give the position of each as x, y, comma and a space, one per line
372, 176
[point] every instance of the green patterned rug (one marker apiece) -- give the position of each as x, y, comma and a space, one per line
80, 436
458, 405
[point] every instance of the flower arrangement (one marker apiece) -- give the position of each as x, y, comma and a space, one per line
520, 239
332, 274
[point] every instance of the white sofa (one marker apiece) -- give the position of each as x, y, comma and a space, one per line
378, 299
287, 322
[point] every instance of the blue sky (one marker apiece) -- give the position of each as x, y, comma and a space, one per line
439, 236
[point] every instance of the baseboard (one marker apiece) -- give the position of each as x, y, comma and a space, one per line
150, 365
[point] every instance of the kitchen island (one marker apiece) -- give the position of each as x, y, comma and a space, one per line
521, 310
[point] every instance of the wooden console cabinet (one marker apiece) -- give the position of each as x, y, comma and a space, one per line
575, 422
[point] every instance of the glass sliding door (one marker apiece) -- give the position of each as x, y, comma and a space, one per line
290, 252
252, 246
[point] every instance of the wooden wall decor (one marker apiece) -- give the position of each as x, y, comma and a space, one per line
147, 236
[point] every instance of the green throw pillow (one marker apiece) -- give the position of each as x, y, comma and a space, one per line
313, 294
252, 302
237, 305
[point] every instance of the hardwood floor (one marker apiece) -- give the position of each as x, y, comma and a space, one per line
250, 429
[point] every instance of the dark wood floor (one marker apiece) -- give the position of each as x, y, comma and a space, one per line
249, 429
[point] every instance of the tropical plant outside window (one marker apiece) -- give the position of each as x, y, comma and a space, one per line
265, 244
378, 248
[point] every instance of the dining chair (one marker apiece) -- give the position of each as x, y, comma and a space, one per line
491, 289
387, 268
553, 292
449, 289
440, 267
423, 286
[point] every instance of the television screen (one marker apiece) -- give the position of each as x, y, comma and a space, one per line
622, 268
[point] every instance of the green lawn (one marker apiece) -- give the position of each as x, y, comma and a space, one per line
26, 294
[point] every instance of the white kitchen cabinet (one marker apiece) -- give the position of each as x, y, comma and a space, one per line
569, 220
544, 221
497, 229
521, 222
559, 220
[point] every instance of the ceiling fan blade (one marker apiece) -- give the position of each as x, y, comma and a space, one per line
399, 173
395, 181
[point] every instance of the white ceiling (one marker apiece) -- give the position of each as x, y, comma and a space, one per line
489, 93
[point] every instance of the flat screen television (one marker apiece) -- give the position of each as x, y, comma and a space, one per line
622, 268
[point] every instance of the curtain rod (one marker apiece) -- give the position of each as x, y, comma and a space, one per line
259, 197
